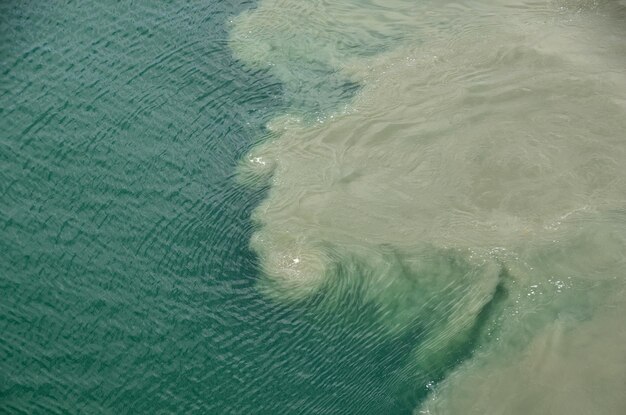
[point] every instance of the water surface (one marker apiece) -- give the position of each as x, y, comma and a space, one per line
320, 207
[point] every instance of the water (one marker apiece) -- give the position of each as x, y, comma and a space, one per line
313, 207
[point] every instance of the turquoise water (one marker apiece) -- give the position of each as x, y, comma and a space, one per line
210, 207
126, 279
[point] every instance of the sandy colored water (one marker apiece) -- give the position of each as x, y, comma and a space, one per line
472, 183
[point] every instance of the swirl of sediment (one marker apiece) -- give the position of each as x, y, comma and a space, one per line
475, 163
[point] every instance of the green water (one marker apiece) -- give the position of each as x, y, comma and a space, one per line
354, 207
126, 279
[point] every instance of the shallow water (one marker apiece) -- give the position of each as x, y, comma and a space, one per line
313, 207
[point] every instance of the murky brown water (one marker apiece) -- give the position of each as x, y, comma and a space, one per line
483, 153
